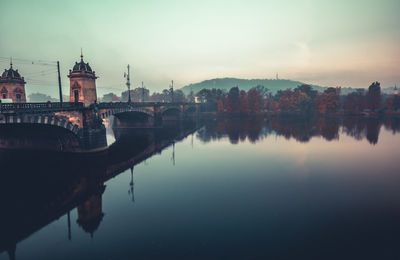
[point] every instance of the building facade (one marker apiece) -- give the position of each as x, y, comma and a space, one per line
82, 83
12, 86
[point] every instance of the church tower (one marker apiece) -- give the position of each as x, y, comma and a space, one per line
82, 83
12, 86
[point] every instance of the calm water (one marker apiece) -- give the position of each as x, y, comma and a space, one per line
278, 189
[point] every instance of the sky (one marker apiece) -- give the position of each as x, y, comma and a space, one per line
328, 43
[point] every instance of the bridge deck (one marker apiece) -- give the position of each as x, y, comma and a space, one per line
68, 106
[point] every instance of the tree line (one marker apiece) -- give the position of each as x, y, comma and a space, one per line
301, 100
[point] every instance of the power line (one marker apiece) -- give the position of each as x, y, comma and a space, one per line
33, 62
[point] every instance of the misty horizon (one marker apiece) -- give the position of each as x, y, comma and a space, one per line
189, 42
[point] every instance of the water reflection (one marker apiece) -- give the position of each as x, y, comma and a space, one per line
276, 199
38, 187
298, 128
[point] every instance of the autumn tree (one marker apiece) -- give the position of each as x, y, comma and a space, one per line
393, 102
221, 106
354, 103
328, 101
244, 104
287, 101
233, 102
255, 101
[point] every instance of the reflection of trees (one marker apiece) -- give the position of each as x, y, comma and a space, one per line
354, 127
328, 128
392, 124
373, 127
301, 129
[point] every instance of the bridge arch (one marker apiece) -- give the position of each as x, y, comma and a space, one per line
115, 111
170, 110
42, 119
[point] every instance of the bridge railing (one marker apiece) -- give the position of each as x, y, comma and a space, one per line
139, 104
4, 107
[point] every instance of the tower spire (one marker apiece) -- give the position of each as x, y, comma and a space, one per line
11, 62
81, 55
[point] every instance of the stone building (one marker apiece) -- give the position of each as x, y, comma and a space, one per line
12, 85
82, 83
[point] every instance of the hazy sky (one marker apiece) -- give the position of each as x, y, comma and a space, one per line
336, 43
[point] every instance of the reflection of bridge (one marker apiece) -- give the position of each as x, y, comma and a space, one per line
35, 204
84, 121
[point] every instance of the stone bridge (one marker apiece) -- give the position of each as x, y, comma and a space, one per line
84, 120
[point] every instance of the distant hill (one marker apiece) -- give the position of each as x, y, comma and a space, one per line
227, 83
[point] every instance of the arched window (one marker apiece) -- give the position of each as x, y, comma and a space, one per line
4, 95
18, 97
76, 95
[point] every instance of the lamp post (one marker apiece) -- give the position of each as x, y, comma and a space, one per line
128, 84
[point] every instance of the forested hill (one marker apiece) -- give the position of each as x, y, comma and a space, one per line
227, 83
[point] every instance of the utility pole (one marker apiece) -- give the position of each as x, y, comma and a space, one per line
59, 82
128, 84
172, 91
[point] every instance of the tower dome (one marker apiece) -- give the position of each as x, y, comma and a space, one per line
11, 75
12, 85
82, 83
82, 67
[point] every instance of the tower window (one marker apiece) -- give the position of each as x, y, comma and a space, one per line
76, 95
18, 97
4, 95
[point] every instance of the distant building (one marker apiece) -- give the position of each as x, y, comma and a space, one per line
82, 83
12, 86
395, 90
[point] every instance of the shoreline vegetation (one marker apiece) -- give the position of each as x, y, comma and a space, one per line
301, 101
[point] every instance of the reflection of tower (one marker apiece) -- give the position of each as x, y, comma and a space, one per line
90, 213
12, 86
131, 190
82, 83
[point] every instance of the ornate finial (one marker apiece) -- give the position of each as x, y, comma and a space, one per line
11, 62
81, 55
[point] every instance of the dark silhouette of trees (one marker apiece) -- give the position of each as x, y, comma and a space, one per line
355, 103
374, 96
179, 96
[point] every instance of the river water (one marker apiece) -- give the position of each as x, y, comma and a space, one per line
227, 189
